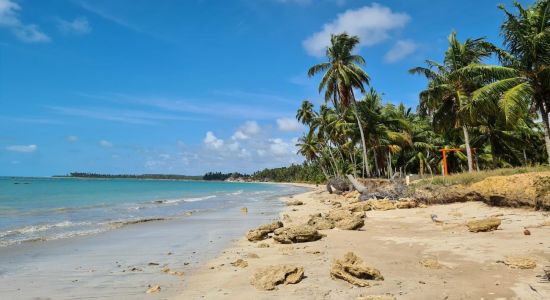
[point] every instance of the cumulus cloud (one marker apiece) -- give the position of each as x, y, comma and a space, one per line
288, 124
9, 19
372, 24
211, 141
78, 26
22, 148
105, 144
400, 50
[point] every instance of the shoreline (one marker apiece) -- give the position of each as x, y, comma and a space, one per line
123, 262
395, 242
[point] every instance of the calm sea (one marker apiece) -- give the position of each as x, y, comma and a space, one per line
52, 208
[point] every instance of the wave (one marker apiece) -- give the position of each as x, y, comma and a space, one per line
41, 228
236, 193
173, 201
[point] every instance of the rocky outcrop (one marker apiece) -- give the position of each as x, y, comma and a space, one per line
269, 277
320, 223
384, 204
338, 185
483, 225
262, 232
296, 234
405, 203
294, 203
353, 270
351, 223
520, 262
339, 214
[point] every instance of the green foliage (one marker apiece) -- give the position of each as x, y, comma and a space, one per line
307, 173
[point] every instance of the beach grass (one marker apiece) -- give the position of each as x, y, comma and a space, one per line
470, 178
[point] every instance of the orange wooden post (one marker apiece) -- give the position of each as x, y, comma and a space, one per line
445, 171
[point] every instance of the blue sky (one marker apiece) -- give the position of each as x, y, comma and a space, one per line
185, 87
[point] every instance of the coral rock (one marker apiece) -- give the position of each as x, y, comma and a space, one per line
483, 225
296, 234
353, 270
320, 223
519, 262
261, 233
352, 223
269, 277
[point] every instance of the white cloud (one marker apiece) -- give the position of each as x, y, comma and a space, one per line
72, 138
239, 135
371, 23
22, 148
278, 147
400, 50
251, 128
288, 124
78, 26
211, 141
9, 18
105, 144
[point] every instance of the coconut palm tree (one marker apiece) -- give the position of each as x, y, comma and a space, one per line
305, 113
342, 74
524, 78
449, 92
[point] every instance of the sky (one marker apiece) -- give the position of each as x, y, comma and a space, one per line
186, 87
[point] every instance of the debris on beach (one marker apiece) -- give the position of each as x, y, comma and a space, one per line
520, 262
244, 210
526, 232
430, 263
153, 289
294, 203
252, 255
269, 277
338, 185
483, 225
320, 223
377, 297
296, 234
351, 223
241, 263
263, 245
261, 233
353, 270
171, 272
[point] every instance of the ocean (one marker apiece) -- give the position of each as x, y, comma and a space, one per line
43, 209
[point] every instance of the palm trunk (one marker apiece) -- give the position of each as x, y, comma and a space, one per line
334, 160
363, 143
469, 150
544, 116
376, 164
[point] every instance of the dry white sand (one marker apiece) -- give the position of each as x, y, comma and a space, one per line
394, 242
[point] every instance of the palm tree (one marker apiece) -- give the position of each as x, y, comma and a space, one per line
524, 78
342, 73
305, 113
449, 92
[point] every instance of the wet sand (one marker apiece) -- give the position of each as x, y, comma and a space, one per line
394, 242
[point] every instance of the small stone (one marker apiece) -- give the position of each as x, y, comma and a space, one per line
483, 225
526, 232
153, 289
244, 210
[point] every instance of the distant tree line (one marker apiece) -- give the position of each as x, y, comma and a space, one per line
223, 176
307, 172
134, 176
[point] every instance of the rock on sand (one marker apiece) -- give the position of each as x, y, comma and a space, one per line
296, 234
353, 270
483, 225
268, 277
262, 231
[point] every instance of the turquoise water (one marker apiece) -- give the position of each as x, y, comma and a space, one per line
52, 208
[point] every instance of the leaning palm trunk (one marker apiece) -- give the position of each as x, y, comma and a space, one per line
468, 149
363, 143
544, 116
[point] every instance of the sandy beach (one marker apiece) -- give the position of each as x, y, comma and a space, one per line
399, 242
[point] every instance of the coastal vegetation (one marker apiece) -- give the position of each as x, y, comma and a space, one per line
489, 116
